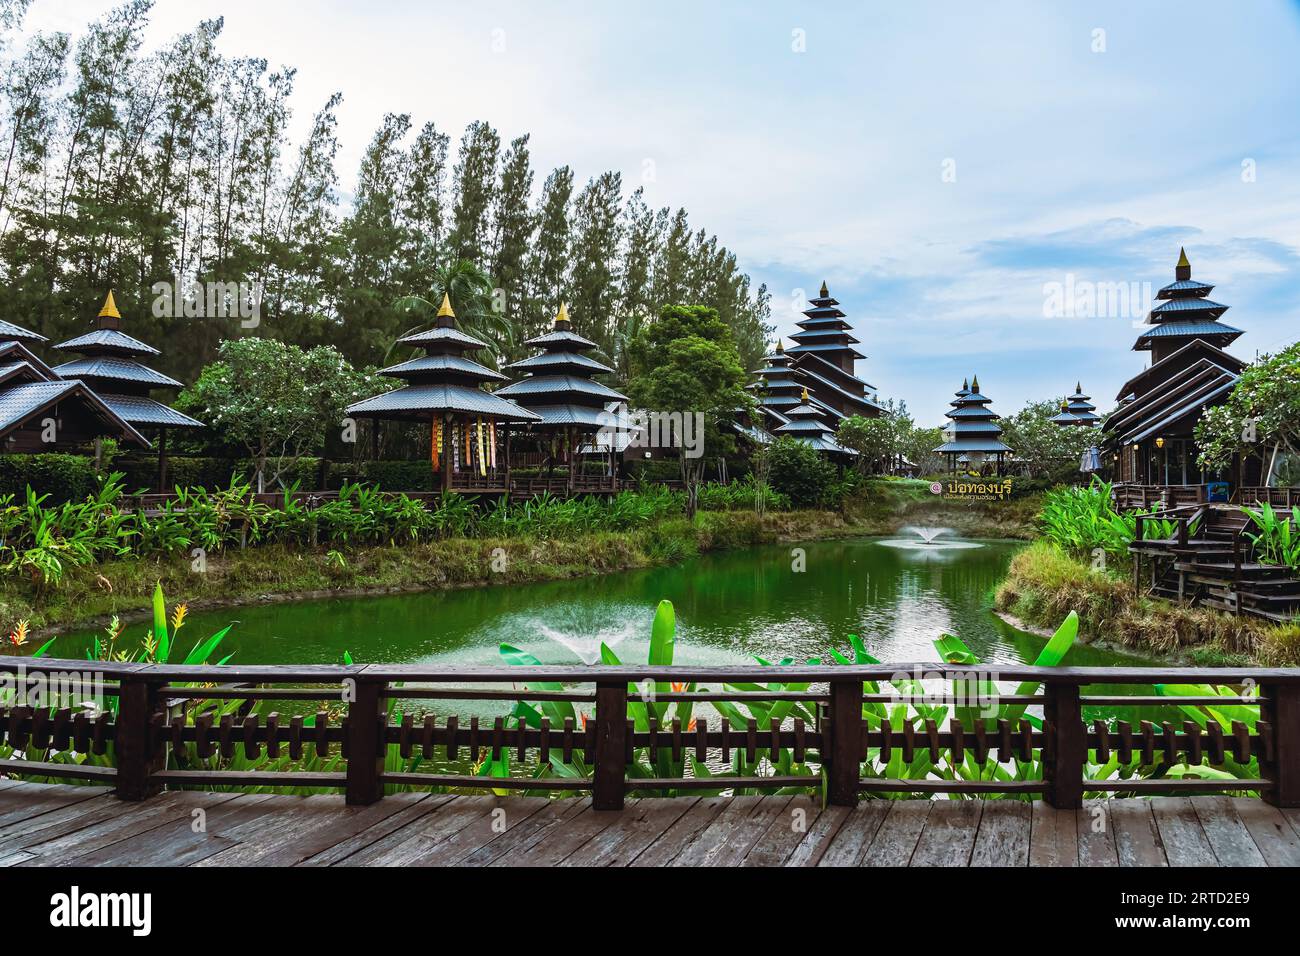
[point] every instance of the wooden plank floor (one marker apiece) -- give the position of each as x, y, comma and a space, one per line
42, 825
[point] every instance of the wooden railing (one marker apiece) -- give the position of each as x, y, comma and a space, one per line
158, 710
1277, 497
1131, 497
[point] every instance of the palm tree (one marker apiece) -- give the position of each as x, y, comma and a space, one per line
472, 299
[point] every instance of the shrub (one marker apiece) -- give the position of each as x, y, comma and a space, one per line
799, 472
62, 477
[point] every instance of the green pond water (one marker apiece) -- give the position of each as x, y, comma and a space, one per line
731, 606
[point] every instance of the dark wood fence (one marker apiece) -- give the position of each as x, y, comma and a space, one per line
152, 702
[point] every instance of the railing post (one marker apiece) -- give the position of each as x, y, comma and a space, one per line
138, 744
1281, 708
367, 715
608, 777
844, 750
1063, 771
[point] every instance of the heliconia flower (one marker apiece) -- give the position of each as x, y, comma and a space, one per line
690, 726
584, 719
18, 635
678, 687
178, 616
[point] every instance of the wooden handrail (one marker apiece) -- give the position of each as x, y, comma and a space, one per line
150, 719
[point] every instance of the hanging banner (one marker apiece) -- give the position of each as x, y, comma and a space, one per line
482, 459
492, 441
433, 444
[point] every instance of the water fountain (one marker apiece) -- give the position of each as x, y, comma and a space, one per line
928, 539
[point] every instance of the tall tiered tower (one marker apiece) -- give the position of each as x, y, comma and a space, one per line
823, 351
1183, 314
973, 434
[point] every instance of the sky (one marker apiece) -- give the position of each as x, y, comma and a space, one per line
947, 168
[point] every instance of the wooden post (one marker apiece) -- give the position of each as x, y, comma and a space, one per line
505, 426
1281, 708
138, 744
1063, 772
844, 751
608, 778
366, 718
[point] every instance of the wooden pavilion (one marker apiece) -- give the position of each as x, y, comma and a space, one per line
1149, 436
469, 427
42, 412
973, 436
111, 366
1077, 409
804, 422
559, 388
826, 361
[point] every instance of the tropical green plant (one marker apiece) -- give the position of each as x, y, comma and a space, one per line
1082, 520
1278, 540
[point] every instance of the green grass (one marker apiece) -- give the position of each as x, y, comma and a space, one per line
1043, 583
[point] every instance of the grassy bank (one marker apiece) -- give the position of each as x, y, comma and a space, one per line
89, 595
1043, 584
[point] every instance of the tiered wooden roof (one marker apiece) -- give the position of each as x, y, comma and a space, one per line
823, 352
972, 427
558, 385
31, 393
1183, 312
443, 381
111, 366
1077, 409
804, 422
776, 388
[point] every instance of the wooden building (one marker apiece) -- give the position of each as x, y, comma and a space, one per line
972, 437
42, 412
1149, 436
1077, 409
804, 422
469, 427
559, 387
111, 366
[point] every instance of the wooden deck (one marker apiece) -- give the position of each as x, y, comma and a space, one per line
44, 825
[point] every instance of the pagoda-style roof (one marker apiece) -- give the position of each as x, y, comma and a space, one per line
558, 384
106, 342
1172, 406
105, 368
824, 332
1077, 409
16, 333
443, 381
972, 425
1182, 313
26, 401
110, 367
804, 423
1157, 372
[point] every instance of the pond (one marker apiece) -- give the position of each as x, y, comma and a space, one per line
774, 602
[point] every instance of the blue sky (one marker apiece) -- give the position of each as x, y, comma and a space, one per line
1076, 153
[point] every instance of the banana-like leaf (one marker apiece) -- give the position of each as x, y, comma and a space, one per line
160, 635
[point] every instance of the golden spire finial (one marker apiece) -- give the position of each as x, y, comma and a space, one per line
445, 308
1078, 387
825, 292
109, 311
1182, 258
805, 393
562, 315
780, 347
975, 383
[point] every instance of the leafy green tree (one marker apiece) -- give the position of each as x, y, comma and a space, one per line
1261, 417
476, 172
799, 471
696, 376
276, 400
1042, 447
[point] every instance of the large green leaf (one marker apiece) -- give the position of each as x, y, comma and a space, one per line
160, 635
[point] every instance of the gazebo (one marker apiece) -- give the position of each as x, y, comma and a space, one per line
1077, 409
972, 434
469, 427
558, 387
112, 368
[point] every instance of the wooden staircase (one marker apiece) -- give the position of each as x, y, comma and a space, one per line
1210, 561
